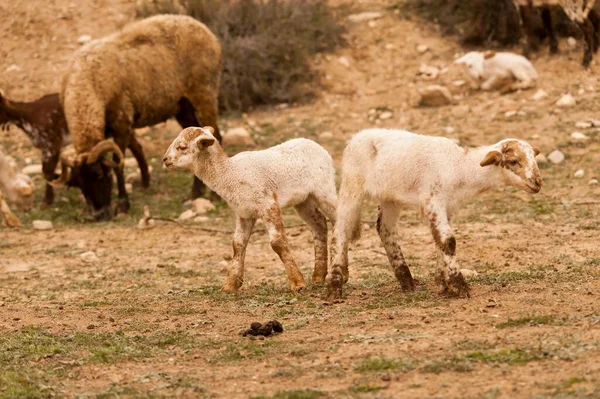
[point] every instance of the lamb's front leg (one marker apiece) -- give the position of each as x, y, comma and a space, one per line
243, 231
449, 274
281, 246
386, 227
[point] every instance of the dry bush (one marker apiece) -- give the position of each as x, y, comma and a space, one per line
267, 45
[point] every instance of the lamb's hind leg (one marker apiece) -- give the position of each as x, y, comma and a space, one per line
317, 223
281, 246
449, 275
386, 227
243, 231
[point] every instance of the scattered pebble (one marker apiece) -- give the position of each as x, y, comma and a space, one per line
84, 39
326, 136
449, 129
579, 136
435, 96
89, 257
422, 48
202, 206
583, 124
579, 173
344, 61
429, 72
33, 169
42, 225
556, 157
129, 188
385, 115
202, 219
510, 114
541, 158
571, 41
468, 273
565, 101
539, 95
237, 136
364, 16
13, 68
593, 182
186, 215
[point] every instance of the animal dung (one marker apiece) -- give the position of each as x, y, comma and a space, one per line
268, 329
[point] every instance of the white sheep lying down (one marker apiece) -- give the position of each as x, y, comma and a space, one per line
504, 71
257, 184
432, 174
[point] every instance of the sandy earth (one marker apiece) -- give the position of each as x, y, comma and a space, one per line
537, 256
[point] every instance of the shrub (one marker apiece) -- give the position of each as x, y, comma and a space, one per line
267, 45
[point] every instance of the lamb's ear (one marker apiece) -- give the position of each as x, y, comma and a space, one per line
492, 158
210, 129
489, 54
204, 142
536, 151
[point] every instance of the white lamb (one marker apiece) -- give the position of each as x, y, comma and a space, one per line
17, 188
431, 173
257, 184
504, 71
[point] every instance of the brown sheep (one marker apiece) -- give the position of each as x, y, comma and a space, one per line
152, 70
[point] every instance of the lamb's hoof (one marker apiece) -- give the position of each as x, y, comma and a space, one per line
334, 288
318, 279
407, 285
297, 288
229, 289
457, 285
404, 277
122, 206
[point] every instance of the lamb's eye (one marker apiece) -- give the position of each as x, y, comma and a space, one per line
513, 163
182, 146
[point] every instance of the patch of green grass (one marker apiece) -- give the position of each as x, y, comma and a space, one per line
14, 384
454, 363
237, 351
571, 381
363, 388
184, 310
295, 394
380, 364
508, 356
522, 321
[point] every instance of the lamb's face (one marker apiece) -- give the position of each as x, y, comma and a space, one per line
474, 63
517, 160
21, 192
184, 150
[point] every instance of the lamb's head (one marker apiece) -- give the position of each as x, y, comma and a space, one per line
20, 191
473, 60
92, 173
192, 142
516, 160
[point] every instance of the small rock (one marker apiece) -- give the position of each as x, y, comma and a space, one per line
565, 101
422, 48
344, 61
366, 226
595, 122
556, 157
541, 158
91, 327
449, 130
435, 96
326, 136
571, 41
42, 225
535, 136
429, 72
145, 224
80, 244
202, 206
385, 115
579, 173
364, 16
223, 264
468, 273
84, 39
583, 124
389, 46
539, 95
593, 182
579, 136
510, 114
129, 188
130, 162
237, 136
13, 68
33, 169
201, 219
89, 257
186, 215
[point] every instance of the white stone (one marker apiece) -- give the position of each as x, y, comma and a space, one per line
89, 257
579, 173
237, 136
583, 124
201, 206
510, 114
541, 158
130, 162
42, 225
326, 136
595, 122
80, 244
389, 46
344, 61
593, 182
186, 215
556, 157
372, 23
449, 130
565, 101
202, 219
365, 16
571, 41
435, 96
33, 169
468, 273
429, 72
385, 115
459, 83
535, 136
422, 48
13, 68
129, 188
579, 136
539, 95
84, 39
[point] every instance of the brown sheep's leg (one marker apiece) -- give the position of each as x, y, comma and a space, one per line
243, 231
281, 246
530, 42
317, 223
121, 140
595, 19
588, 32
547, 20
48, 167
138, 153
386, 227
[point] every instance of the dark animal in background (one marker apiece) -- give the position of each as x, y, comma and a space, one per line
580, 12
44, 122
152, 70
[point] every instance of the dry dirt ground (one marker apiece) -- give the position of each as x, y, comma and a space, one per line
147, 318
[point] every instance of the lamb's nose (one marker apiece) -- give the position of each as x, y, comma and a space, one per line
164, 159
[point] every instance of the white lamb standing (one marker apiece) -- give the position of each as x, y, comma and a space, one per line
433, 174
257, 185
505, 71
15, 187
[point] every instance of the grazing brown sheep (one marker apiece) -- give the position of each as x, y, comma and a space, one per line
152, 70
